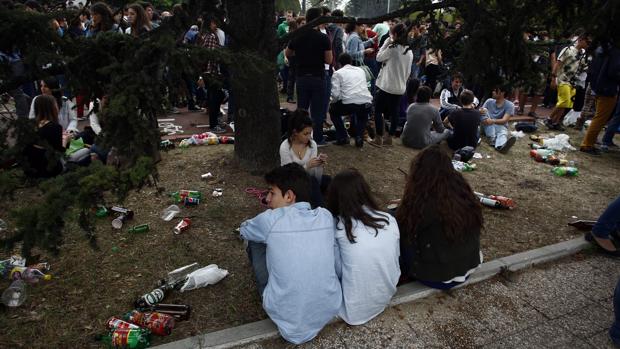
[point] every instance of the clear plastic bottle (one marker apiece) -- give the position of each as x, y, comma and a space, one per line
15, 295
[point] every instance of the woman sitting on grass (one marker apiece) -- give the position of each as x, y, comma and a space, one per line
43, 156
440, 219
300, 148
369, 249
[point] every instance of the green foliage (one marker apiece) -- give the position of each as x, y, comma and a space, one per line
285, 5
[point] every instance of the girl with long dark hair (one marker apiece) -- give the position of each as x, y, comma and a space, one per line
368, 245
138, 20
67, 116
43, 156
300, 148
102, 20
440, 219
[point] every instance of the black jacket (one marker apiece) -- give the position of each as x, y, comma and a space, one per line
431, 257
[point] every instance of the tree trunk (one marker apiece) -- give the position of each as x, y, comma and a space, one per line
254, 88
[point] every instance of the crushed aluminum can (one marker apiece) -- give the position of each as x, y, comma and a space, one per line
183, 225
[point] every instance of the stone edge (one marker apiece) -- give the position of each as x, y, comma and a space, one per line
266, 329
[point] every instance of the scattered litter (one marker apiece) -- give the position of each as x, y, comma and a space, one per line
571, 118
573, 217
208, 138
559, 142
207, 175
142, 228
518, 134
217, 192
170, 212
463, 166
183, 225
496, 201
184, 195
208, 275
477, 156
565, 171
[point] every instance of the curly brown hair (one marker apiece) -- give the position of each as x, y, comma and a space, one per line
432, 180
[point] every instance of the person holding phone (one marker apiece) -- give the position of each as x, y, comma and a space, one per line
300, 148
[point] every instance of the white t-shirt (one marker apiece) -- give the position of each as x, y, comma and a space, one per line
368, 269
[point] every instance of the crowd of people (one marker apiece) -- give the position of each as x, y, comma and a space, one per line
434, 234
324, 247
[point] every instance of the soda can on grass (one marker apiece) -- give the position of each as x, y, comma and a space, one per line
189, 201
183, 225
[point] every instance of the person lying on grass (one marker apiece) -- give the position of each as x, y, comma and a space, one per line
292, 252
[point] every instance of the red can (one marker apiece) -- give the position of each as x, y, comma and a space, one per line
114, 323
183, 225
159, 324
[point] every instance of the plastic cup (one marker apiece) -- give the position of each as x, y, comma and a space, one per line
15, 295
170, 212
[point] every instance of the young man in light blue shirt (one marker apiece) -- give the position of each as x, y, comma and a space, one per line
496, 113
292, 252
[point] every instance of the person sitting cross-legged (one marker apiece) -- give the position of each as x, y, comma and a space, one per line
496, 114
465, 123
292, 252
350, 95
450, 99
421, 115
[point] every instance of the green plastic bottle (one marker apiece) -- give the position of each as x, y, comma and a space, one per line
101, 212
142, 228
127, 338
567, 171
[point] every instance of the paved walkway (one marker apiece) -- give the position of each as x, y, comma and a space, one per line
566, 304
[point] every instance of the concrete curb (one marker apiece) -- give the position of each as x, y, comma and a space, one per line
266, 329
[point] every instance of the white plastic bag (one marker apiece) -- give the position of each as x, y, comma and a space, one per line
559, 143
202, 277
571, 118
518, 134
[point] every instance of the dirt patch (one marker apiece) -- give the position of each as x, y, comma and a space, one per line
89, 286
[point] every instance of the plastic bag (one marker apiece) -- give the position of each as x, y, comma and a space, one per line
209, 275
75, 145
571, 118
518, 134
559, 143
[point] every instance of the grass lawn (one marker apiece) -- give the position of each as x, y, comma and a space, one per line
89, 286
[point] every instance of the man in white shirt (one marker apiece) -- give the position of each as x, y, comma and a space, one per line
350, 96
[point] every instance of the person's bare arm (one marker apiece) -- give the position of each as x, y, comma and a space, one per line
328, 57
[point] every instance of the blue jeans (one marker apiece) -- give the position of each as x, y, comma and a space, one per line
311, 95
498, 134
614, 331
257, 252
359, 117
612, 126
608, 223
